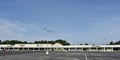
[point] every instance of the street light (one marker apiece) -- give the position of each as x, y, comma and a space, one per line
47, 49
47, 30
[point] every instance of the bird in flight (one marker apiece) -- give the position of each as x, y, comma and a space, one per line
47, 30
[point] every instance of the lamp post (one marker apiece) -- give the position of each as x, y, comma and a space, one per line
47, 49
47, 30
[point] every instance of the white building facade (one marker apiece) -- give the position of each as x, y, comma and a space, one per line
59, 47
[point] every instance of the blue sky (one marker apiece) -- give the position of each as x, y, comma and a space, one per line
77, 21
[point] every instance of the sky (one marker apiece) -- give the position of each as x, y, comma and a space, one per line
77, 21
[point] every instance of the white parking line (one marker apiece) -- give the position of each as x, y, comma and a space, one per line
86, 57
76, 59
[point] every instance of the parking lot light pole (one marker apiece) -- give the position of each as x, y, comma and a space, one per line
47, 49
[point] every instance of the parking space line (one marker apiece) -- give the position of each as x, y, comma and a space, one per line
86, 57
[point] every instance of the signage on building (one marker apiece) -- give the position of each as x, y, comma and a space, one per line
22, 45
96, 46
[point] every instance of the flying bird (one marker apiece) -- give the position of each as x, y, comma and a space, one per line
47, 30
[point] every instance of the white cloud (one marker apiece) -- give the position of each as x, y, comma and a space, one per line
20, 30
8, 28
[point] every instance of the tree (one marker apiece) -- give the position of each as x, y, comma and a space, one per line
51, 42
0, 41
63, 42
111, 43
93, 44
81, 44
25, 42
114, 43
117, 43
14, 42
86, 44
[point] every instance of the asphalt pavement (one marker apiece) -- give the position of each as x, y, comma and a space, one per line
32, 55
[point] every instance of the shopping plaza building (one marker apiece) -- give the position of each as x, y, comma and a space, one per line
59, 47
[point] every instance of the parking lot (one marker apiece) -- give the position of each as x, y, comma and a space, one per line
37, 55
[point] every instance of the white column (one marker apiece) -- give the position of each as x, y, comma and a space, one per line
82, 48
68, 49
28, 48
3, 48
96, 49
23, 48
75, 49
18, 49
89, 49
13, 49
112, 48
104, 49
